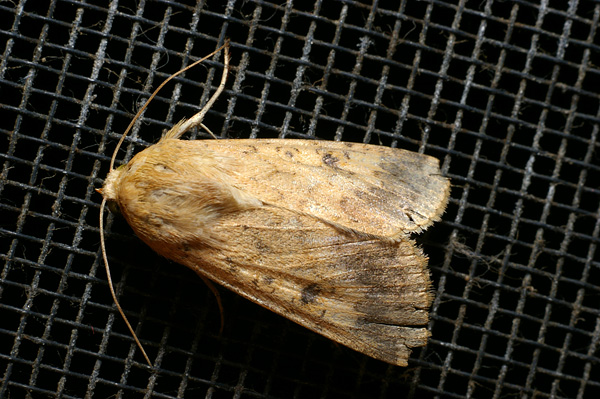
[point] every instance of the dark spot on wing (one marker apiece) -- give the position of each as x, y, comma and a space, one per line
161, 167
268, 280
310, 293
261, 246
404, 169
330, 160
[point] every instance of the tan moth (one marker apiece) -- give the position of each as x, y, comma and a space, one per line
316, 231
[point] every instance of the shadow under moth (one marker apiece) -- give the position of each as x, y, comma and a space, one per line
316, 231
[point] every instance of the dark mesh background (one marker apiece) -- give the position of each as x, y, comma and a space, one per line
504, 93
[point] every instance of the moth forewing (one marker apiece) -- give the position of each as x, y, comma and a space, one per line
377, 190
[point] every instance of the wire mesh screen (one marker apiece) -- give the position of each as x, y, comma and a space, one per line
504, 93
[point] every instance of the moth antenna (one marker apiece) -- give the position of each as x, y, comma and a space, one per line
202, 111
196, 120
112, 288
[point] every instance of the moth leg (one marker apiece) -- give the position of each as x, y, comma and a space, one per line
196, 120
217, 295
203, 126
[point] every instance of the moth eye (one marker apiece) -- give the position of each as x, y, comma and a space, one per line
113, 207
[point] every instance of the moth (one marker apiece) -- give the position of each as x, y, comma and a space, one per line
316, 231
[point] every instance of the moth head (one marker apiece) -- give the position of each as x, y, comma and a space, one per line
110, 188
